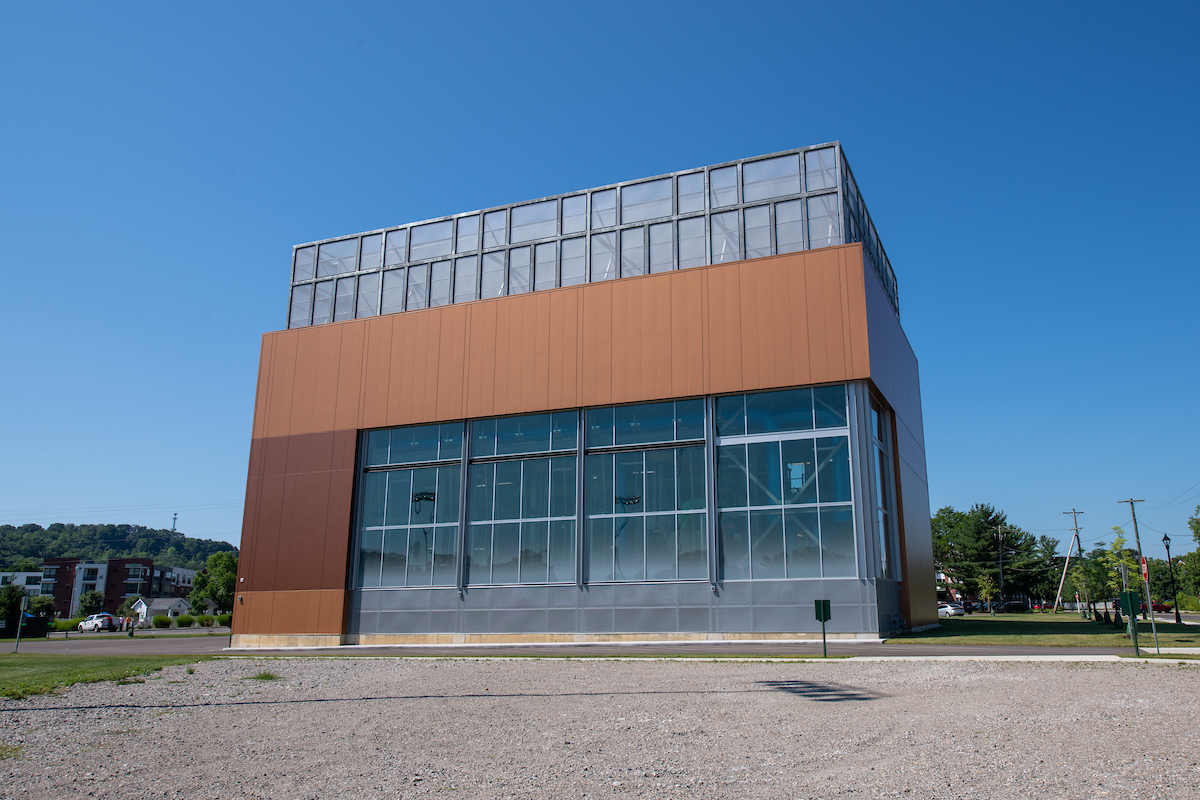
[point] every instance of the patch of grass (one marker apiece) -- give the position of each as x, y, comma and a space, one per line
1046, 630
25, 674
191, 670
9, 751
265, 675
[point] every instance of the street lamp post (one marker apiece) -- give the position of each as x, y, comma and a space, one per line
1171, 571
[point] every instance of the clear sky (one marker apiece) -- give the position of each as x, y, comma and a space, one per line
1031, 168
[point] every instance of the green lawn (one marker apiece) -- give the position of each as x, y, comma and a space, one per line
1050, 630
23, 674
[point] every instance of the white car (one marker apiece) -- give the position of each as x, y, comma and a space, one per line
98, 622
951, 610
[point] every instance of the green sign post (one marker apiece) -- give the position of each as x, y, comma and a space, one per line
1131, 603
823, 616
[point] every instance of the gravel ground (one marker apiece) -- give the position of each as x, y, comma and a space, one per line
385, 728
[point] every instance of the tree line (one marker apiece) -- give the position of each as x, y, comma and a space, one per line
25, 548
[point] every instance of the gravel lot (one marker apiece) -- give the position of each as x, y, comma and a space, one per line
376, 728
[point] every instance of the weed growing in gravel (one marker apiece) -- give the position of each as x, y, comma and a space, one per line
191, 670
264, 676
9, 751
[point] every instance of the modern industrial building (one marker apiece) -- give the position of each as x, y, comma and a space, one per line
676, 408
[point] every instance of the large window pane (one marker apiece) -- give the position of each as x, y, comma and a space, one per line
445, 555
574, 262
439, 284
823, 228
397, 247
481, 494
431, 240
343, 304
562, 487
574, 214
731, 415
689, 463
479, 563
833, 469
758, 232
789, 226
451, 436
660, 547
789, 410
519, 270
766, 545
506, 552
773, 177
563, 431
660, 480
762, 461
662, 247
418, 287
733, 528
722, 186
731, 476
644, 423
369, 257
302, 306
629, 549
630, 484
599, 427
604, 257
633, 252
726, 238
305, 264
691, 193
368, 295
535, 488
447, 493
424, 497
494, 229
395, 557
399, 497
692, 537
508, 490
820, 170
544, 267
534, 551
803, 543
837, 542
374, 489
336, 258
414, 443
600, 549
691, 243
598, 487
689, 419
648, 200
535, 221
830, 402
466, 279
323, 303
468, 234
492, 281
604, 209
420, 556
525, 434
799, 472
562, 551
370, 551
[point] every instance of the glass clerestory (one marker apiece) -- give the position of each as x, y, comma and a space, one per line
741, 487
780, 203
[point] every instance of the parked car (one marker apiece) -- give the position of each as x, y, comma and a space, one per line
950, 610
97, 622
1159, 608
1015, 607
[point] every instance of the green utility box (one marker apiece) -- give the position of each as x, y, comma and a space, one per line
1131, 603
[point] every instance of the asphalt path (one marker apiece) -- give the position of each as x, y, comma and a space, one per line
216, 645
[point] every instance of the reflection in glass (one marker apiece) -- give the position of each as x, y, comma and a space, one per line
630, 486
731, 415
660, 480
599, 427
837, 542
480, 493
506, 552
803, 543
399, 497
336, 258
371, 247
731, 476
445, 555
466, 279
788, 410
479, 562
662, 247
574, 262
323, 303
447, 493
762, 464
789, 227
574, 214
414, 443
604, 209
535, 221
534, 550
604, 257
633, 252
395, 557
562, 551
368, 295
302, 299
689, 463
758, 232
492, 281
823, 221
418, 287
830, 402
494, 223
660, 547
451, 436
343, 305
689, 419
599, 549
431, 240
773, 177
397, 243
733, 530
377, 449
722, 186
598, 489
766, 545
369, 554
424, 497
544, 266
629, 549
563, 429
692, 538
691, 192
306, 260
726, 238
562, 487
691, 243
648, 200
820, 171
535, 488
439, 284
644, 423
799, 472
525, 434
468, 234
374, 494
518, 270
833, 469
508, 490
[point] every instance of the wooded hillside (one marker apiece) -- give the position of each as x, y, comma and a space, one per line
28, 545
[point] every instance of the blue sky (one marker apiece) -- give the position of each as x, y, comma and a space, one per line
1031, 169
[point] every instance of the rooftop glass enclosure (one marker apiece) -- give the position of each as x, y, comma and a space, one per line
778, 203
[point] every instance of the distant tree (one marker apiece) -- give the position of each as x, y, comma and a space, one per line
91, 603
217, 582
126, 609
1194, 525
41, 606
10, 601
988, 590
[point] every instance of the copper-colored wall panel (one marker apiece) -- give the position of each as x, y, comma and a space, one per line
299, 612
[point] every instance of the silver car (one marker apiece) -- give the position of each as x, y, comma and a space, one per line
951, 610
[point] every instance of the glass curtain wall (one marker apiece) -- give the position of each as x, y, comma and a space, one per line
883, 483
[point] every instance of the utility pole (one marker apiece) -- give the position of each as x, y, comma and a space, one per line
1000, 540
1074, 539
1145, 580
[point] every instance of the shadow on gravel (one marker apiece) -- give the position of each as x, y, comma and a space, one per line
822, 692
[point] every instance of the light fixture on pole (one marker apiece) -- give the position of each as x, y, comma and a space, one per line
1171, 571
